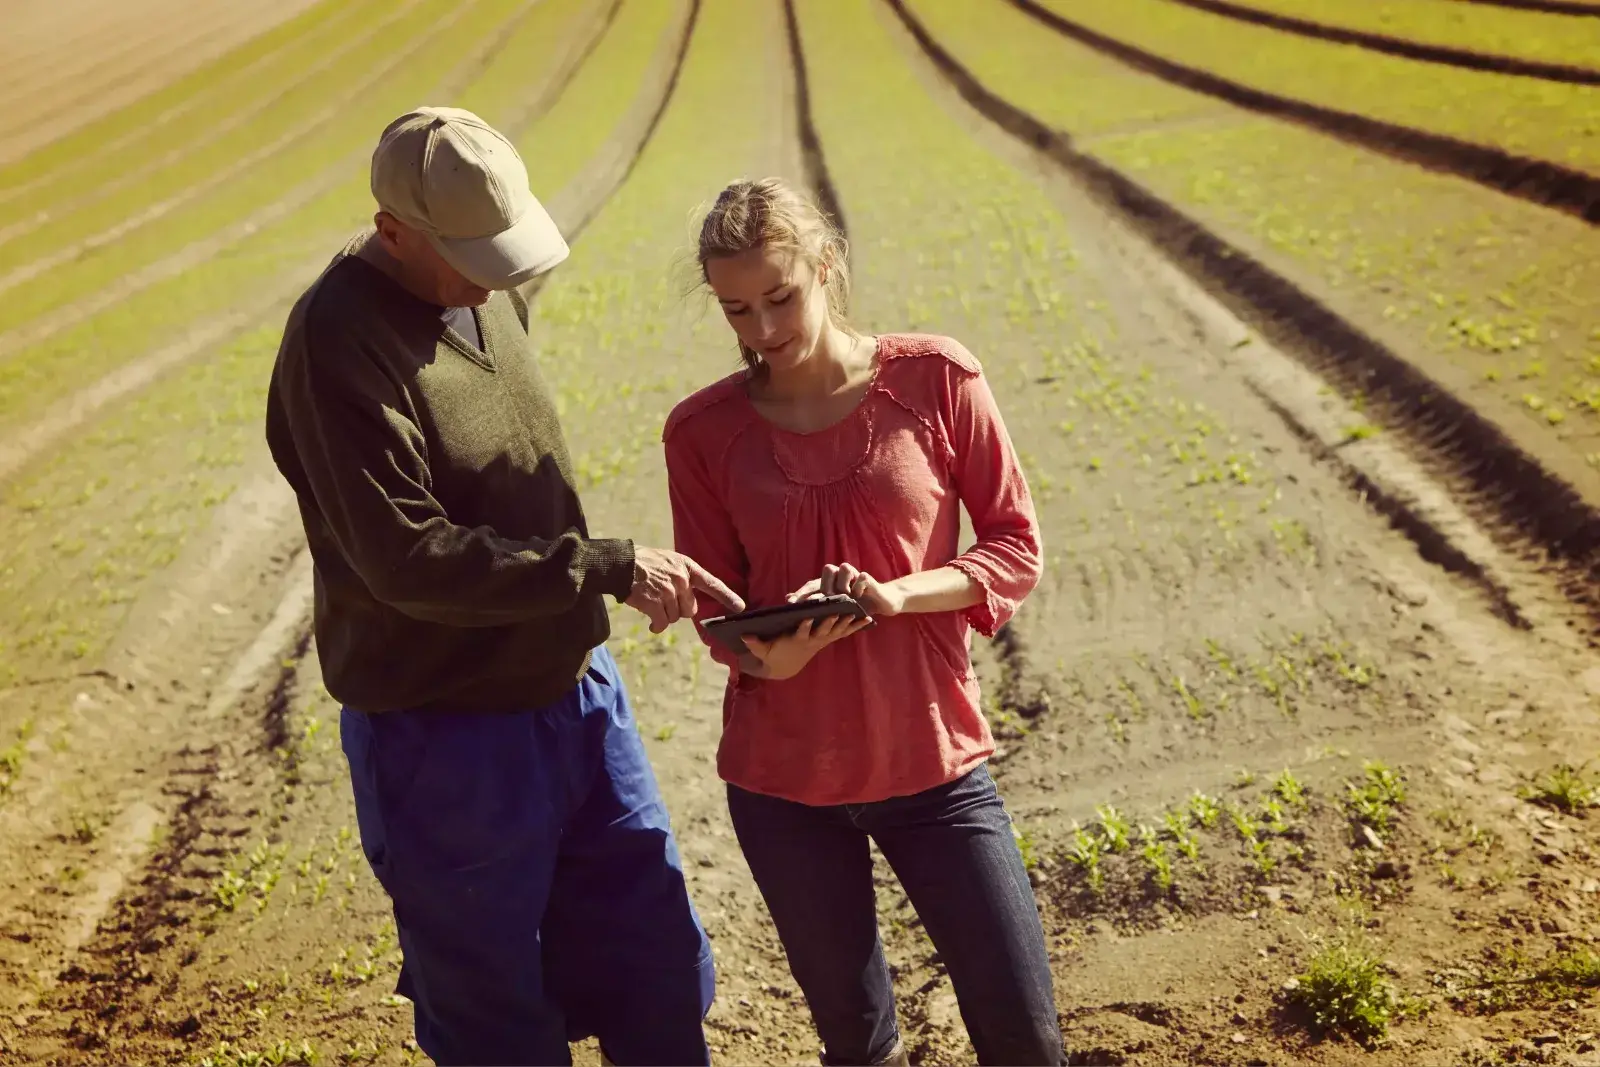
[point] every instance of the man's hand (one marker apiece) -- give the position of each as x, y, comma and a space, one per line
664, 584
881, 599
786, 656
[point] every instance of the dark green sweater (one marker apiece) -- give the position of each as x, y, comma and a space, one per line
454, 570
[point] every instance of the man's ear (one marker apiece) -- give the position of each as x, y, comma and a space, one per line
388, 228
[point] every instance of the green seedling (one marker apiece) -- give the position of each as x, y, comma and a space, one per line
1113, 827
1246, 827
1344, 989
228, 890
281, 1054
1564, 788
1191, 702
1272, 809
1289, 790
1220, 657
11, 757
1085, 854
1376, 798
1261, 857
1184, 840
1204, 810
1154, 851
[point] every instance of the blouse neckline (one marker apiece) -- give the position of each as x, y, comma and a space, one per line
848, 417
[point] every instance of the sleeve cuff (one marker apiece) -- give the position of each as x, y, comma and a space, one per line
611, 567
989, 616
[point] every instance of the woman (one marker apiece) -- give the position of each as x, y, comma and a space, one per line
838, 463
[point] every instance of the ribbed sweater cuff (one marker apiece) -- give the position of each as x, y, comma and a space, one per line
610, 562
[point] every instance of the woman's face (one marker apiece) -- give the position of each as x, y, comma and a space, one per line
774, 300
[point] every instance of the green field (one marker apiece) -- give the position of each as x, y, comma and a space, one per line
1544, 120
1287, 786
1494, 297
1534, 35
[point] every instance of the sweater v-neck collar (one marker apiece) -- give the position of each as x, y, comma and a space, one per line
484, 357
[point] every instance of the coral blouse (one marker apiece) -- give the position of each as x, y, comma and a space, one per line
895, 709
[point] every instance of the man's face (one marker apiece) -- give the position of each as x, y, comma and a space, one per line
425, 272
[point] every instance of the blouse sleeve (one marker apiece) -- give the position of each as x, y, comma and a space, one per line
703, 530
1007, 558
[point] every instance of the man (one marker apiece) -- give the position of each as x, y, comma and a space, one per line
504, 797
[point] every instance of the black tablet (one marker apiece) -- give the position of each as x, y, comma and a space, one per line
767, 623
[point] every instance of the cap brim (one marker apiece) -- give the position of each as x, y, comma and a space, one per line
509, 258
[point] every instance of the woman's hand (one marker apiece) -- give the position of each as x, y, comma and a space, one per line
786, 656
879, 598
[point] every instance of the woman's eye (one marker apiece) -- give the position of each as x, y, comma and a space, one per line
784, 299
735, 311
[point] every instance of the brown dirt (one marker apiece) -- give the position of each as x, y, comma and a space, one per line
190, 885
71, 61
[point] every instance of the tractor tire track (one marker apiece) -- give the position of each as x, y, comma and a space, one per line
1399, 46
1537, 181
1530, 509
1550, 7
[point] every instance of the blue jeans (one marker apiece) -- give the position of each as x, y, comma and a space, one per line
954, 853
536, 884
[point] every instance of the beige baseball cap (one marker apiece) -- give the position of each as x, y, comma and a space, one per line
446, 172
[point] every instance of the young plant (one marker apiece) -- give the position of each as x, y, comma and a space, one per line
1565, 788
1289, 790
1374, 801
1242, 822
1154, 851
1114, 828
1344, 989
1184, 841
1204, 810
1191, 702
1085, 854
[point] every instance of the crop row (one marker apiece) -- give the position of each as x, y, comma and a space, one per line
163, 309
1491, 295
293, 900
1159, 491
150, 136
1532, 35
407, 59
1546, 120
163, 100
91, 526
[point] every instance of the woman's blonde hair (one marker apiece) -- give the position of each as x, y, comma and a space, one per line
769, 213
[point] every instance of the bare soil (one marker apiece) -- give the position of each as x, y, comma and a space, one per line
67, 62
1220, 607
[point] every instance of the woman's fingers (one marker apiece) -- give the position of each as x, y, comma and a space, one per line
847, 578
811, 588
830, 579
